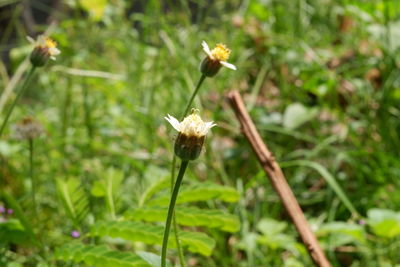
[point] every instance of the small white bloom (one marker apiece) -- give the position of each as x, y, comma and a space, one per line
219, 54
47, 44
192, 125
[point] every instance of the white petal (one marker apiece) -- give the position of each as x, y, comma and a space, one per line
206, 49
228, 65
54, 51
30, 39
41, 40
174, 122
210, 124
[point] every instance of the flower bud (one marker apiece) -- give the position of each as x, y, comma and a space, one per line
188, 147
210, 67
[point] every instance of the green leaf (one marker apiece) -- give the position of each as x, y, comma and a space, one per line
73, 198
329, 178
153, 259
12, 231
274, 236
13, 203
341, 233
384, 223
297, 114
152, 234
153, 189
99, 256
270, 226
188, 216
199, 192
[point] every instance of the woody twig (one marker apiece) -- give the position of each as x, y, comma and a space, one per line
278, 180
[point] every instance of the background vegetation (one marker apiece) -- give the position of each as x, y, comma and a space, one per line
320, 79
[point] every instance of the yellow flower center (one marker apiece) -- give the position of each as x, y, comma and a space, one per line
221, 52
50, 43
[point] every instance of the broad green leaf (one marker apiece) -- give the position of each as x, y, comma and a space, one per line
384, 223
297, 114
13, 203
152, 234
341, 233
274, 236
270, 226
189, 216
199, 192
99, 256
12, 231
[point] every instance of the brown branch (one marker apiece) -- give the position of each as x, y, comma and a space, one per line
277, 180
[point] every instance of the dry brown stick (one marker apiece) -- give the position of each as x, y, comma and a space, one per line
278, 180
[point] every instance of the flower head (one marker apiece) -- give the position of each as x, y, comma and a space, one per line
44, 49
216, 58
75, 234
28, 128
192, 131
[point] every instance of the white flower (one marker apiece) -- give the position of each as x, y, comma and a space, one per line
46, 44
220, 54
192, 125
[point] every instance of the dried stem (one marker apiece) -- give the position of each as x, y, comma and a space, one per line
278, 180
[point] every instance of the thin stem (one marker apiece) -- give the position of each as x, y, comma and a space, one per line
171, 208
178, 243
31, 175
199, 83
176, 230
19, 94
174, 224
87, 110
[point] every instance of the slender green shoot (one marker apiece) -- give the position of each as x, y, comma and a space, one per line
171, 208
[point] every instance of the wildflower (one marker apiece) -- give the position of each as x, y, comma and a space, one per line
75, 234
28, 128
192, 131
2, 209
45, 49
215, 59
10, 211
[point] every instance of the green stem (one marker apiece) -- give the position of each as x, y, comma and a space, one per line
176, 230
171, 208
174, 224
87, 110
31, 175
19, 94
199, 83
178, 243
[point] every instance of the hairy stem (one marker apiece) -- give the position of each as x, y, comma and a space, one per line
171, 208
